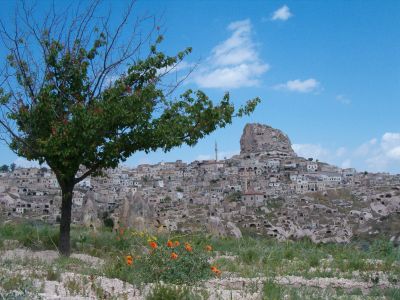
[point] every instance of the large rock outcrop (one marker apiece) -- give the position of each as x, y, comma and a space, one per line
263, 138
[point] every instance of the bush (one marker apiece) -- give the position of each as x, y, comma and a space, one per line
108, 222
188, 267
168, 261
165, 292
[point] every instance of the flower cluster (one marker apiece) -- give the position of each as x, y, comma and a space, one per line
215, 270
171, 260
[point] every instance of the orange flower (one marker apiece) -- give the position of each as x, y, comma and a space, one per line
174, 255
208, 248
188, 247
215, 270
153, 245
170, 244
121, 231
129, 260
176, 244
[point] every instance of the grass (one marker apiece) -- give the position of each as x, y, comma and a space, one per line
251, 256
170, 292
17, 287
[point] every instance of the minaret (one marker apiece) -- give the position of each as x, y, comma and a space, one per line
216, 151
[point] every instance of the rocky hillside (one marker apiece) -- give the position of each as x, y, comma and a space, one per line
266, 189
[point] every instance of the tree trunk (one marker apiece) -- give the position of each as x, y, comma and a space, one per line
65, 223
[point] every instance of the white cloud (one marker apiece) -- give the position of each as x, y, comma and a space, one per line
385, 156
234, 63
376, 155
364, 149
243, 75
297, 85
343, 99
311, 151
282, 14
390, 144
341, 151
336, 157
394, 153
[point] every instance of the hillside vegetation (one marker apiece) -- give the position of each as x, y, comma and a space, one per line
137, 265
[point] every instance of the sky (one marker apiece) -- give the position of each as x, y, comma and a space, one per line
328, 74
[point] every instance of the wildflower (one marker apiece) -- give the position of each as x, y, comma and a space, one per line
208, 248
174, 255
176, 244
121, 231
153, 244
129, 260
215, 270
188, 247
170, 244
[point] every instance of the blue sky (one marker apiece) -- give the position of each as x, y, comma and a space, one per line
328, 74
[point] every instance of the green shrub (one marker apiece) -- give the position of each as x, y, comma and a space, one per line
178, 264
272, 291
188, 268
165, 292
108, 223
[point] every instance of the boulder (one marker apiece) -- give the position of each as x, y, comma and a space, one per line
215, 226
233, 230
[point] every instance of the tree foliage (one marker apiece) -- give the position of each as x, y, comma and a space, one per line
4, 168
76, 97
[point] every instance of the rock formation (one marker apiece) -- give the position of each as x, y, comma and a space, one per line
263, 138
135, 212
217, 227
89, 211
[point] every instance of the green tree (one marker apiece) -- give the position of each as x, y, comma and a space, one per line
90, 98
4, 168
12, 167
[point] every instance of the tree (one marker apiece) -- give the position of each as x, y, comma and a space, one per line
12, 166
4, 168
81, 95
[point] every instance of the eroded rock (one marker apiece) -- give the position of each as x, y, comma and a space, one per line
263, 138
